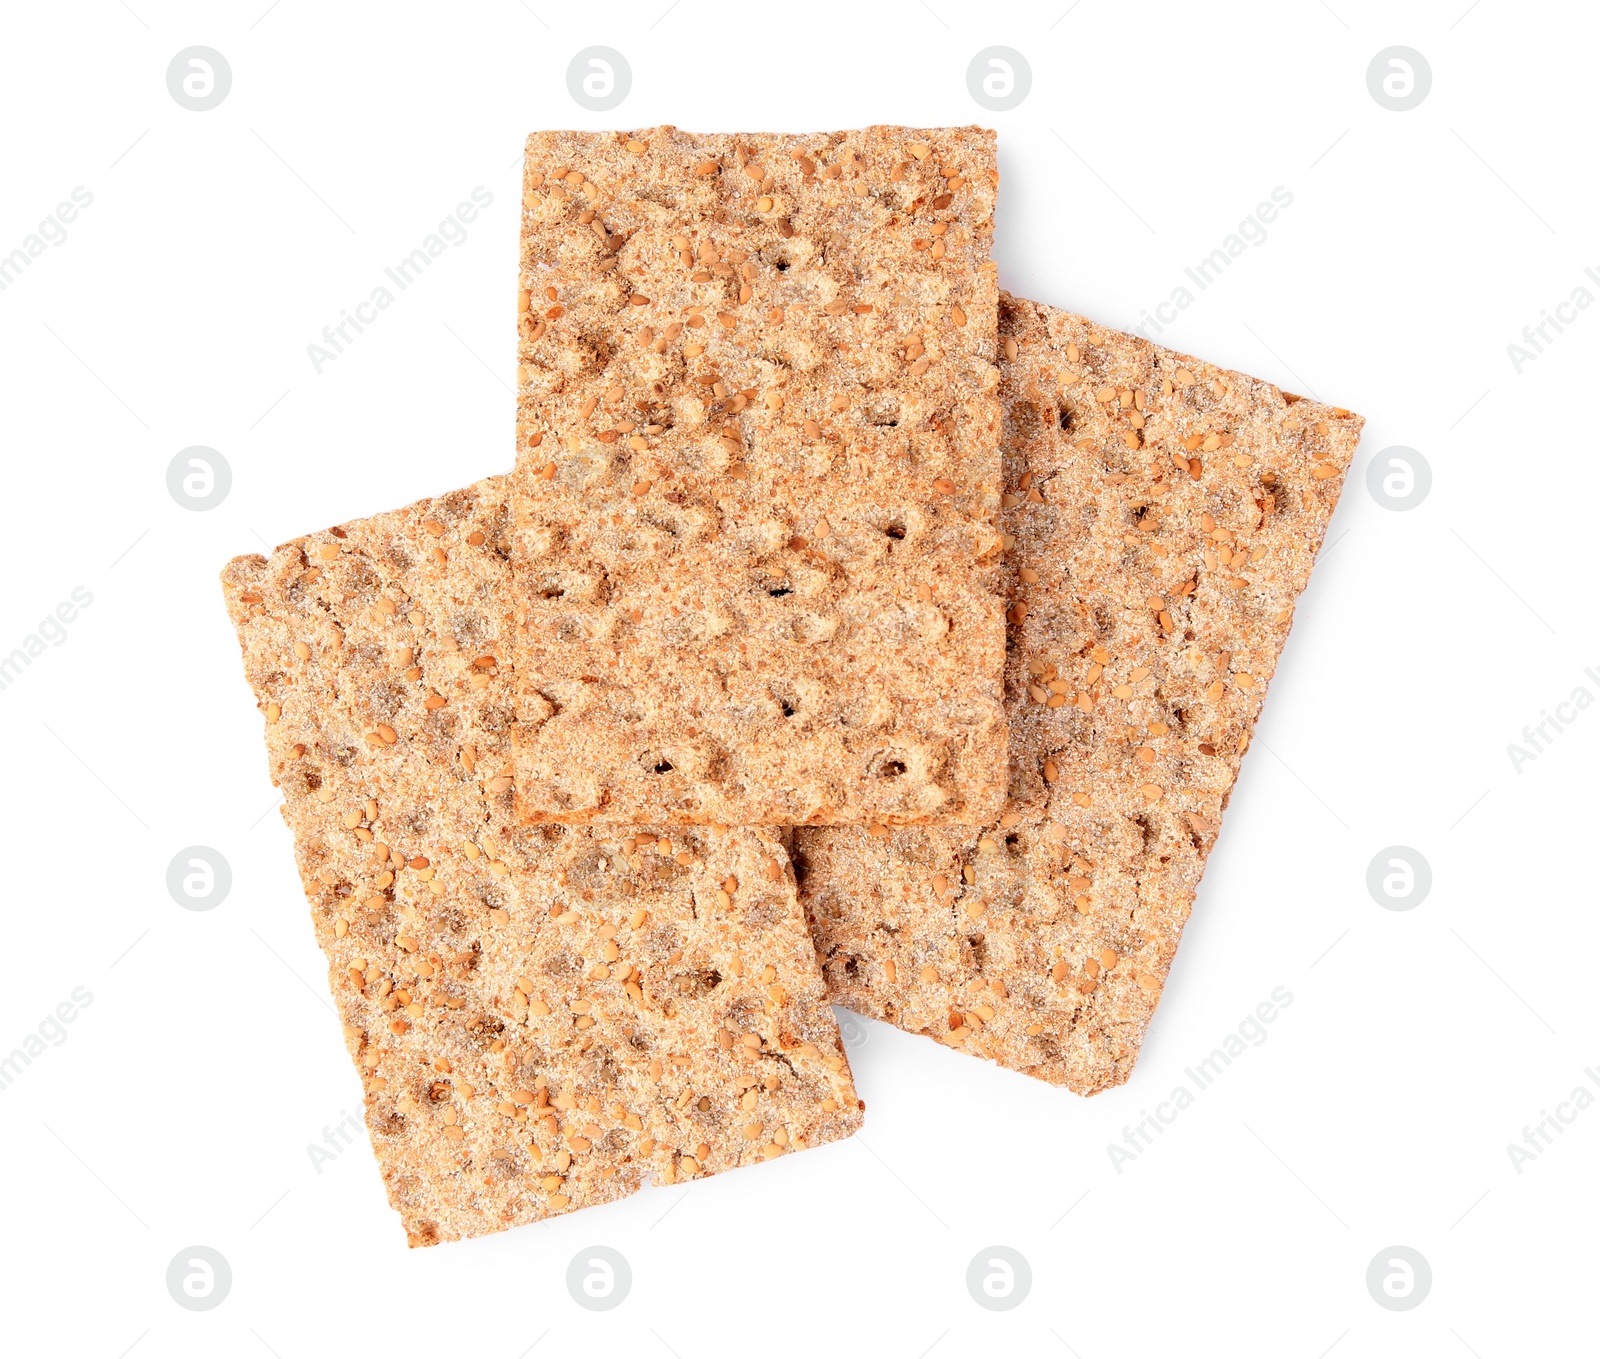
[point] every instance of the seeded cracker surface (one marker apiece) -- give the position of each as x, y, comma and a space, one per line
1162, 516
543, 1017
757, 479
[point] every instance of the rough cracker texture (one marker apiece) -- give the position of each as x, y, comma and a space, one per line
543, 1017
757, 479
1149, 607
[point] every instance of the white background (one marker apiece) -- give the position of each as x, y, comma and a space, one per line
1418, 1044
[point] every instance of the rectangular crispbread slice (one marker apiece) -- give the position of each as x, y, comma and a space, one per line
757, 479
1162, 516
543, 1017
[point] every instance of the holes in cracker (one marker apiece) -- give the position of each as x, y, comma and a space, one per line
882, 409
698, 983
780, 256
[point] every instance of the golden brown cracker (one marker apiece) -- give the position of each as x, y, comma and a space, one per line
757, 479
1162, 516
543, 1017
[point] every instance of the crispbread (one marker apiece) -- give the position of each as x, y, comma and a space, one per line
1165, 514
544, 1017
757, 479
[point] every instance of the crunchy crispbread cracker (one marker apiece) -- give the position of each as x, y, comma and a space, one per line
758, 478
1165, 514
543, 1017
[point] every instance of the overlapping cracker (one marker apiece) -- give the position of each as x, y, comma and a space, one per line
1163, 515
543, 1017
758, 479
